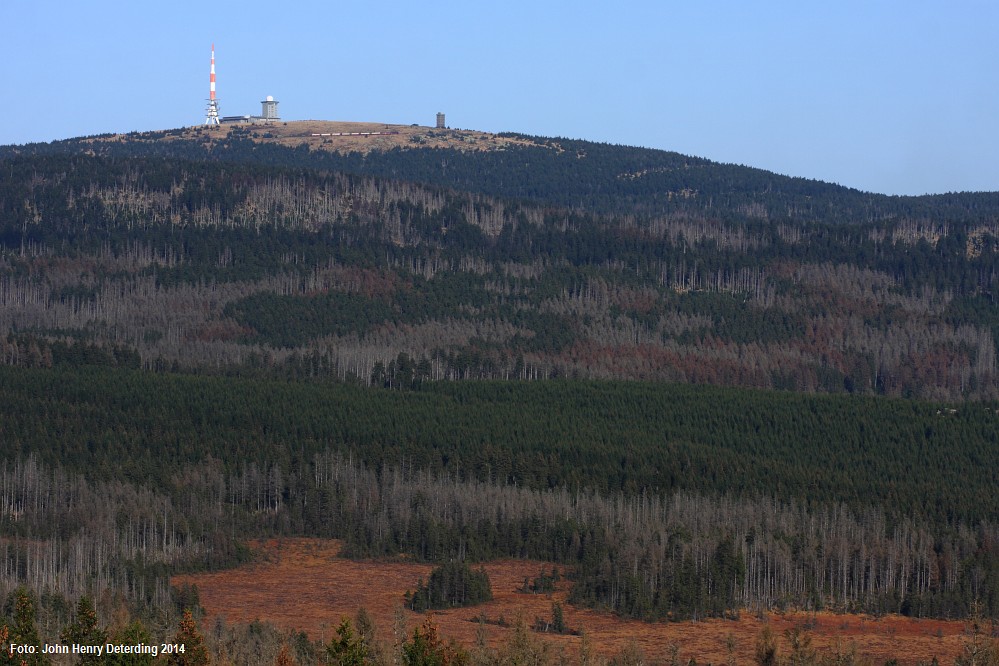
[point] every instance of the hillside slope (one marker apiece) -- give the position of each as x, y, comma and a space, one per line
564, 172
201, 264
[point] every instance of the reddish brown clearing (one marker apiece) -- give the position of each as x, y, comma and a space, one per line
301, 584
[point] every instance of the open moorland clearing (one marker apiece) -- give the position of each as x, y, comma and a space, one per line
335, 136
302, 584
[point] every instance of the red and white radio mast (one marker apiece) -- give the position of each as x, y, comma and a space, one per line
213, 106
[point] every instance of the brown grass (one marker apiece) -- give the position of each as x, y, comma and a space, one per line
302, 584
300, 132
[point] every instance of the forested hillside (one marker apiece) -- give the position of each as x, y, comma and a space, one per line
699, 387
568, 173
666, 501
198, 265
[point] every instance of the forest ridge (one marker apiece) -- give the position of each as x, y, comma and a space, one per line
455, 255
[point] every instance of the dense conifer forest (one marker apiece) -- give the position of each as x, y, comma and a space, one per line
698, 388
195, 265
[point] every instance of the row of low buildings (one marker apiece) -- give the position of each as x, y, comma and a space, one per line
268, 113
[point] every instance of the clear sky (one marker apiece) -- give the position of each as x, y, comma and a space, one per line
891, 96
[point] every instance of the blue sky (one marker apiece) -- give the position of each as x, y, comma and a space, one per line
886, 96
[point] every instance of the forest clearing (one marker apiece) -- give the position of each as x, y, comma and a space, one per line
303, 585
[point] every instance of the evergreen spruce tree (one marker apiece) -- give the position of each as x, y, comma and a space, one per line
558, 619
85, 630
23, 631
131, 634
347, 649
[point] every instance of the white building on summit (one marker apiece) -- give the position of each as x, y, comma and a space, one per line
268, 112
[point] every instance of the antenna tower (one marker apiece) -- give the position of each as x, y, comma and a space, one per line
212, 117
